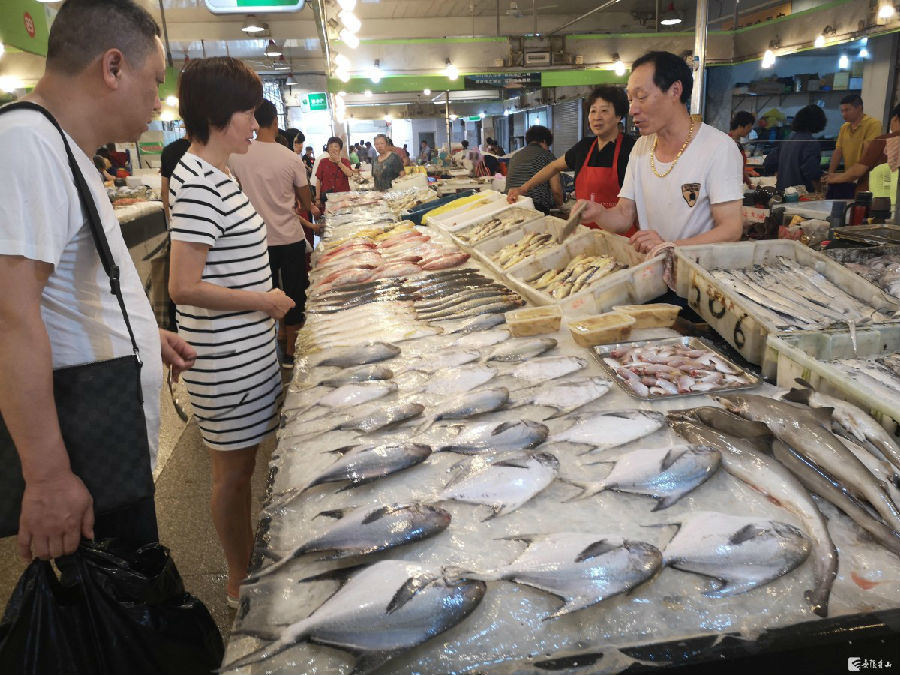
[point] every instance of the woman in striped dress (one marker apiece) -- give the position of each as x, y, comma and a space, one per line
221, 282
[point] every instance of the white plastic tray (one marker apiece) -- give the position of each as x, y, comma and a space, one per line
485, 249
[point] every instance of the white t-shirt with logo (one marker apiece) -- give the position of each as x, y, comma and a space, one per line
41, 219
678, 206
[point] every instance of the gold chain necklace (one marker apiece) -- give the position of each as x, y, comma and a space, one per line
677, 157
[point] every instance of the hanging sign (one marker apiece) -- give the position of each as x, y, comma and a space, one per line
317, 100
254, 6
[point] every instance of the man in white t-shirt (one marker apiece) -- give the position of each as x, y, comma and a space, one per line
684, 177
274, 178
104, 64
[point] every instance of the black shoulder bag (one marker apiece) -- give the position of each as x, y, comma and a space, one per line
99, 405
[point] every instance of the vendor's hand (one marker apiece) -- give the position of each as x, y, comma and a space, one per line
176, 352
513, 195
277, 304
57, 512
315, 210
831, 178
646, 240
590, 212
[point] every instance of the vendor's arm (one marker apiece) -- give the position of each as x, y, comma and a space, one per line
835, 159
553, 169
57, 509
617, 219
556, 190
186, 286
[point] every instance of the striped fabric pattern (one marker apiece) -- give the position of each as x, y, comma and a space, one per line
236, 381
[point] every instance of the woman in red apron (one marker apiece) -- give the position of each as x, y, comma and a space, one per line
601, 183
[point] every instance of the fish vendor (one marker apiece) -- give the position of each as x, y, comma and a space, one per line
684, 177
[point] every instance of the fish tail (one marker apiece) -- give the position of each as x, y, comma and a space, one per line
262, 654
818, 599
588, 489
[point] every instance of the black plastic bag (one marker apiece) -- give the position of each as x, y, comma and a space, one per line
112, 609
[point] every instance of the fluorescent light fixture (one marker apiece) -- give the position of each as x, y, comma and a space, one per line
427, 92
670, 17
844, 62
368, 93
349, 38
451, 71
453, 118
506, 113
290, 82
349, 5
618, 66
172, 101
863, 41
376, 72
252, 25
671, 21
272, 50
482, 114
886, 11
820, 42
342, 61
350, 21
342, 75
768, 59
863, 53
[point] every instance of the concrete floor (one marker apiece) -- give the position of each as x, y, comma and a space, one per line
182, 507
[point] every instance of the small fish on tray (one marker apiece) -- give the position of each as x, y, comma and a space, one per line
657, 369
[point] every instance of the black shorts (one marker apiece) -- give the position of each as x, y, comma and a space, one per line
289, 273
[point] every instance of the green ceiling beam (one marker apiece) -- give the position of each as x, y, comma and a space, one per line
574, 78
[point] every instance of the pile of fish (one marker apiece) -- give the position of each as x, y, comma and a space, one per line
344, 202
496, 225
402, 251
528, 246
405, 200
883, 271
671, 368
447, 482
579, 273
879, 375
791, 295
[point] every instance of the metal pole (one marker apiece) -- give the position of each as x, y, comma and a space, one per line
700, 31
449, 123
657, 16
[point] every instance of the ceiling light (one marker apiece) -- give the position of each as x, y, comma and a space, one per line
670, 17
506, 113
768, 59
172, 101
482, 114
9, 84
844, 62
453, 118
618, 66
350, 21
451, 71
252, 25
376, 72
368, 93
342, 94
388, 118
863, 53
290, 81
886, 11
342, 75
349, 5
272, 50
342, 61
820, 42
2, 49
427, 92
349, 38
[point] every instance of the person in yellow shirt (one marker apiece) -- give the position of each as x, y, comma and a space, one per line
856, 131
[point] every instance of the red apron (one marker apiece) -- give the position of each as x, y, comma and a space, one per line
601, 181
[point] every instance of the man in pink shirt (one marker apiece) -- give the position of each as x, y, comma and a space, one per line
274, 178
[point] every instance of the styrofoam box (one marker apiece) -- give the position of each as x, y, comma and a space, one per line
731, 315
805, 354
640, 282
508, 209
460, 217
485, 249
479, 215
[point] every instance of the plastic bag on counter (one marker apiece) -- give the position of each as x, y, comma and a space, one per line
111, 609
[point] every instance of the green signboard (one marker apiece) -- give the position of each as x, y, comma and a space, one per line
317, 100
474, 118
256, 6
24, 25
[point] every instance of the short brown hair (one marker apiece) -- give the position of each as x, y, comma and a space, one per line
335, 139
611, 94
211, 90
85, 29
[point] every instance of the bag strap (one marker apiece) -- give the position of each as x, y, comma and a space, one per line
93, 217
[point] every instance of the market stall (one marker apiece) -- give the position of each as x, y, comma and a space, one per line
458, 492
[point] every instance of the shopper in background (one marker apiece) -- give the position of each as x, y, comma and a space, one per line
387, 166
798, 160
104, 64
274, 178
684, 177
222, 284
526, 163
741, 125
118, 158
333, 172
101, 163
400, 152
424, 153
354, 157
371, 153
599, 161
872, 156
856, 131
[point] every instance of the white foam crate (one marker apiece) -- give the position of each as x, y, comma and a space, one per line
485, 249
734, 317
527, 210
466, 214
806, 355
640, 282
